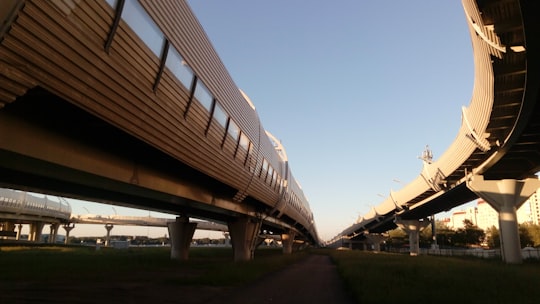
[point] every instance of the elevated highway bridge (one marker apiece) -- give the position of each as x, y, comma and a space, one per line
18, 208
126, 102
496, 152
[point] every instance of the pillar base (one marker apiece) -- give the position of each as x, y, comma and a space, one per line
505, 196
287, 240
413, 228
35, 231
244, 236
108, 227
53, 233
68, 227
376, 240
181, 233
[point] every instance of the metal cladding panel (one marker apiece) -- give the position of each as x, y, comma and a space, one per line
269, 152
116, 87
185, 33
180, 26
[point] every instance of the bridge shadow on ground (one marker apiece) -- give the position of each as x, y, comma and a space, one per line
78, 274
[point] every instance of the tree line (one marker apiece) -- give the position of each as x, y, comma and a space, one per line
468, 236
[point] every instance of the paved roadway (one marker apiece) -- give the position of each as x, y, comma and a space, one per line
313, 280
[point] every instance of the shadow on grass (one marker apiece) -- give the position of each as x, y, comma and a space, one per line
214, 266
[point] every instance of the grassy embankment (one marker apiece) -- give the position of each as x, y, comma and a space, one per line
391, 278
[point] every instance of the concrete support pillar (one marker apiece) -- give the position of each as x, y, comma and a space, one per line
259, 241
19, 231
413, 228
506, 196
299, 245
108, 227
227, 239
9, 227
68, 227
35, 231
244, 233
53, 233
287, 240
375, 239
181, 233
434, 244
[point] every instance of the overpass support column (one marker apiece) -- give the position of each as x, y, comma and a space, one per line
9, 227
19, 231
299, 245
505, 196
109, 227
375, 239
227, 238
244, 236
413, 228
287, 240
53, 233
181, 233
68, 227
35, 231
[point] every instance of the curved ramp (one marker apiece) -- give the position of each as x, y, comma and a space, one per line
499, 136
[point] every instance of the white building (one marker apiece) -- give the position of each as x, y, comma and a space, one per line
484, 216
534, 202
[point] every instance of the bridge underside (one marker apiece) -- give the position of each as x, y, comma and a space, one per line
51, 146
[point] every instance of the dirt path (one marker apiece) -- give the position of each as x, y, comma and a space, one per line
313, 280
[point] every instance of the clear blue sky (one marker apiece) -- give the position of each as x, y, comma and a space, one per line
353, 89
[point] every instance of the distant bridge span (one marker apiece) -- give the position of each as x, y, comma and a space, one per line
140, 221
497, 150
18, 208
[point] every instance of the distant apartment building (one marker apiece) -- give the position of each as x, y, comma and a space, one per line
534, 202
484, 216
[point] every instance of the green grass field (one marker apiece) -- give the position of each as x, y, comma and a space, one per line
206, 265
45, 274
59, 274
392, 278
